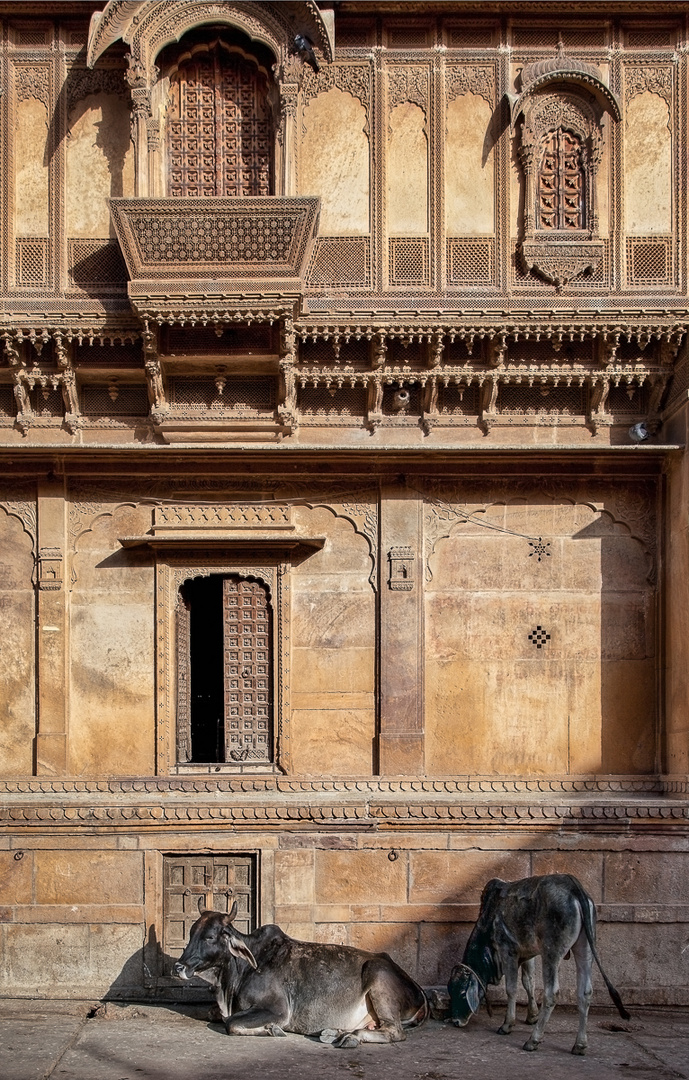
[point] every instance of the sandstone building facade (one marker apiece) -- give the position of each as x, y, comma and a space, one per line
343, 490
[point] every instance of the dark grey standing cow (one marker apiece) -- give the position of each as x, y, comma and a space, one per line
519, 920
266, 983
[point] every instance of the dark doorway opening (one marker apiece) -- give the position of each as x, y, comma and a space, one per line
207, 722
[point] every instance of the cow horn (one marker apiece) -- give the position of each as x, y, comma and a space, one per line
233, 912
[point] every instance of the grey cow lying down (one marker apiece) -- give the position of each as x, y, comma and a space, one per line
519, 920
266, 983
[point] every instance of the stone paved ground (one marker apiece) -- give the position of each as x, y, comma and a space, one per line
148, 1042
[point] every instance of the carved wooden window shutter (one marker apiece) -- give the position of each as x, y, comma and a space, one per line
561, 182
247, 671
219, 130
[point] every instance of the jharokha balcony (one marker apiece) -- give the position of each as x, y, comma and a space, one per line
186, 252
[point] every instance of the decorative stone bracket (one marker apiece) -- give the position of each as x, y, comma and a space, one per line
50, 569
401, 569
559, 262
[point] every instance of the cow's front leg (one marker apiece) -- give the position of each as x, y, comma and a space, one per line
257, 1021
511, 967
551, 988
528, 982
583, 959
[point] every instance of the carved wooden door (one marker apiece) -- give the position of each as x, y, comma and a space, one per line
561, 182
247, 671
219, 131
192, 883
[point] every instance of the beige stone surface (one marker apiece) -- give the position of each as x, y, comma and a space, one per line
112, 649
100, 877
331, 741
407, 171
50, 955
399, 940
358, 877
100, 158
17, 637
648, 878
31, 179
648, 166
469, 168
294, 877
454, 877
334, 162
16, 876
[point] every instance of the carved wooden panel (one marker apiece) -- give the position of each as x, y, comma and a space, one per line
248, 671
561, 182
193, 883
219, 128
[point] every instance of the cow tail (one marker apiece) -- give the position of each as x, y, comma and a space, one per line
584, 902
422, 1013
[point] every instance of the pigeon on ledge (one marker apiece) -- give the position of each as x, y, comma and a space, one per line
305, 50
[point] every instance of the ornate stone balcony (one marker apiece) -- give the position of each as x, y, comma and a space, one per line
189, 253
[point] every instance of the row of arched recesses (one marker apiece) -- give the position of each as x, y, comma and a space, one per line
225, 670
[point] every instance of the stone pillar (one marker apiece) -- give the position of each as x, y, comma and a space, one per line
51, 647
401, 740
675, 759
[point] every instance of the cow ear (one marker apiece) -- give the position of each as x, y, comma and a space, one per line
238, 948
473, 994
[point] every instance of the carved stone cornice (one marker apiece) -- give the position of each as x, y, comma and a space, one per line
372, 803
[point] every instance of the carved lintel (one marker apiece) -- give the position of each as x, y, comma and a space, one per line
50, 569
401, 561
559, 262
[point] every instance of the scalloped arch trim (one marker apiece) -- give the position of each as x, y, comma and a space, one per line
572, 77
150, 25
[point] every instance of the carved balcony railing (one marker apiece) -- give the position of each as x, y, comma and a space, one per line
190, 253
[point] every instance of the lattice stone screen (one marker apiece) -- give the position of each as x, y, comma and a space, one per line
125, 400
649, 260
252, 395
561, 400
408, 260
95, 263
343, 261
470, 262
31, 262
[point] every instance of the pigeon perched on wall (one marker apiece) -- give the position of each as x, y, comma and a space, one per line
305, 50
643, 431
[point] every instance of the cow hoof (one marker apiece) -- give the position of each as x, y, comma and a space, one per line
328, 1035
346, 1042
214, 1015
530, 1045
276, 1031
578, 1049
504, 1030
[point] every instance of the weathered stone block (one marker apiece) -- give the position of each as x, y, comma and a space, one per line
459, 876
294, 882
101, 877
357, 877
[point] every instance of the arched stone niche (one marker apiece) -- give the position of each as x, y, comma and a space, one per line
148, 26
563, 106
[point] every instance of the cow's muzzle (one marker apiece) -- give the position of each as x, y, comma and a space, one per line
180, 970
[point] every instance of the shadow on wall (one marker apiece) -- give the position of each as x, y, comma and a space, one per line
147, 976
628, 676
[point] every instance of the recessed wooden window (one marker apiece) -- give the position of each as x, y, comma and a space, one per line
561, 182
225, 671
220, 131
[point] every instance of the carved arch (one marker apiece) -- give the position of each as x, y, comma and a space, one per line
25, 513
441, 518
149, 25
